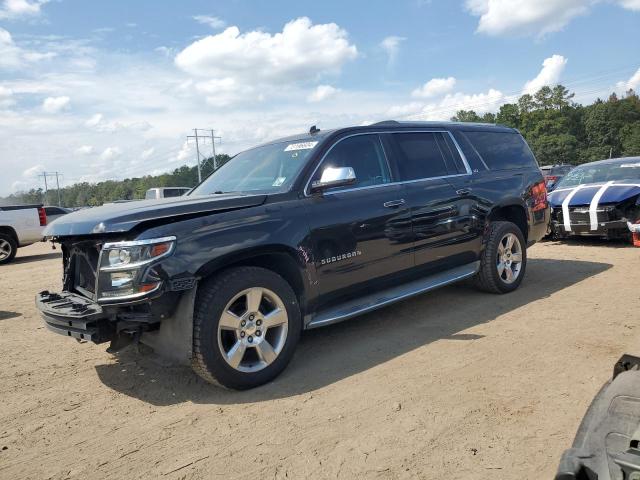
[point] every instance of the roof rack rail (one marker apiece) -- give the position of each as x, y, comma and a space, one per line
387, 122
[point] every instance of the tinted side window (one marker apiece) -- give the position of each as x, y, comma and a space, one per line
54, 211
451, 151
364, 154
502, 150
173, 192
421, 156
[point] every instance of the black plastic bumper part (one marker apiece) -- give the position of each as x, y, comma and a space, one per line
74, 316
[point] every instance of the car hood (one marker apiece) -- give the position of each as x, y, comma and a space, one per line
122, 217
584, 194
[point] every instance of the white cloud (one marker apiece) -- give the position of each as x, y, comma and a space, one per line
322, 92
552, 69
221, 92
33, 171
630, 4
435, 87
302, 51
85, 150
213, 22
6, 97
532, 17
55, 104
632, 84
19, 186
110, 153
186, 152
391, 46
146, 154
13, 57
12, 9
445, 108
99, 124
94, 120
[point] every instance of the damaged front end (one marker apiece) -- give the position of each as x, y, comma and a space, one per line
114, 291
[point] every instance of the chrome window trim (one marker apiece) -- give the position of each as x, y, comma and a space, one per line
307, 192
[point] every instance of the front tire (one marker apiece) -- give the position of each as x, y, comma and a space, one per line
246, 325
8, 248
504, 259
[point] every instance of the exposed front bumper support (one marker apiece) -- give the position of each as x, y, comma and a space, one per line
74, 316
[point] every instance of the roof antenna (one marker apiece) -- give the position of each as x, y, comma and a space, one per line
313, 130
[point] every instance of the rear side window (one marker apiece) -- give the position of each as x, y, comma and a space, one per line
420, 156
54, 211
173, 192
502, 150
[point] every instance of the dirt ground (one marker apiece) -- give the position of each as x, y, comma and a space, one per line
452, 384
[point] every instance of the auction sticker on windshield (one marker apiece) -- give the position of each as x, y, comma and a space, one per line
300, 146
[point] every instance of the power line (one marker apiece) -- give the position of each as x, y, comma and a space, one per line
201, 138
44, 175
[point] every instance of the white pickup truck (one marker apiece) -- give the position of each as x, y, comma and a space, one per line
20, 226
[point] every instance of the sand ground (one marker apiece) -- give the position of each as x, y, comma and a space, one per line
451, 384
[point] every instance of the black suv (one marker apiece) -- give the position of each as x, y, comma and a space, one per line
296, 234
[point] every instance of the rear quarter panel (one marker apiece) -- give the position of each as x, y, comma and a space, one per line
26, 224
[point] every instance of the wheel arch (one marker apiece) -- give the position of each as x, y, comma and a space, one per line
283, 260
514, 213
11, 232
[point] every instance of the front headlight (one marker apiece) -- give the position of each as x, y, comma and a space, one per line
122, 267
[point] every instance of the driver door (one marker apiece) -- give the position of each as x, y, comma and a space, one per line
360, 232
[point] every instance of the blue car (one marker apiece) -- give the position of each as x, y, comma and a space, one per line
599, 199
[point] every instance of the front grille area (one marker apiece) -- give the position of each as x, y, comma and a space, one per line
81, 265
580, 215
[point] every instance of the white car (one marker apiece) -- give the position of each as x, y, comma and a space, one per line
20, 226
165, 192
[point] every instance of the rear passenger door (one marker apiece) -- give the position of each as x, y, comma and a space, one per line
442, 218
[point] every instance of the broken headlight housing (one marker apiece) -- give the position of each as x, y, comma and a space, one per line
122, 273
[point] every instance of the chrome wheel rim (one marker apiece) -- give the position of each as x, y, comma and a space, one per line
252, 330
509, 261
5, 249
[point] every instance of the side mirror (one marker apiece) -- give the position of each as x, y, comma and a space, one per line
334, 177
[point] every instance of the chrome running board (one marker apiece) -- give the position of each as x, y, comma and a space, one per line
377, 300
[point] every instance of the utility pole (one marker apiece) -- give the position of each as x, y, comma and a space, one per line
213, 149
202, 137
46, 185
46, 189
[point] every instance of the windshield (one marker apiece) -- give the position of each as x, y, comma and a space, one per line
268, 169
602, 172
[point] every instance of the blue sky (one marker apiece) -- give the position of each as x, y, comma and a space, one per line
110, 89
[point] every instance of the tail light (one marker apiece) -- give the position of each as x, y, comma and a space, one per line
42, 215
539, 196
635, 232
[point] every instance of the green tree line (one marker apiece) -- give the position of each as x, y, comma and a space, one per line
94, 194
558, 130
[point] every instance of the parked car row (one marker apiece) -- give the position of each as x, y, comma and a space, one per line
554, 173
598, 199
23, 225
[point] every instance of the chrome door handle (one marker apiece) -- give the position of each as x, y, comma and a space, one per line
394, 203
463, 191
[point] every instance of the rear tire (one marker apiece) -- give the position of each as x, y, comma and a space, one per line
504, 259
246, 325
8, 248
